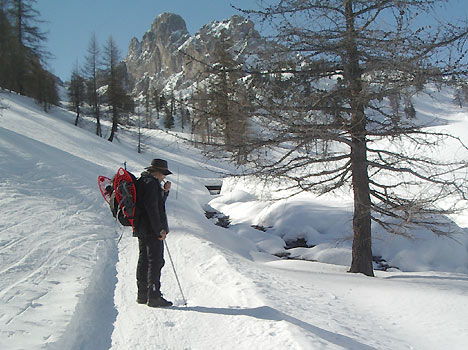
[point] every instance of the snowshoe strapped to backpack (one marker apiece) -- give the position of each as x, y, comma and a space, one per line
118, 211
120, 194
123, 198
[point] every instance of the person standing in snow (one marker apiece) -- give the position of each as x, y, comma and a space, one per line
151, 228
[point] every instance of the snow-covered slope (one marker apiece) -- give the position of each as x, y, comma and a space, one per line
65, 283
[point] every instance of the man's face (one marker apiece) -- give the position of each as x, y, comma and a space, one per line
160, 176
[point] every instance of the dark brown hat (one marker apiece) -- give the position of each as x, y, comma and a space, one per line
159, 165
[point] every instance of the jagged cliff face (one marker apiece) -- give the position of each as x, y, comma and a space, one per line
156, 56
168, 57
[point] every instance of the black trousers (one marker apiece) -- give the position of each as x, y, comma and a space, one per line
150, 263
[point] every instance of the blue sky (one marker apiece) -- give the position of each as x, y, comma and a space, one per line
71, 23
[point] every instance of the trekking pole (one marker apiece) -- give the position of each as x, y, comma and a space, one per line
175, 273
177, 184
121, 235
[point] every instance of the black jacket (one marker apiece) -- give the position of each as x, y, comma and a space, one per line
150, 212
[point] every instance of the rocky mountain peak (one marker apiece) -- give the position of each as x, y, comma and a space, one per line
163, 53
169, 27
237, 26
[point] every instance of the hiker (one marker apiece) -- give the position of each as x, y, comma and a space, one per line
151, 229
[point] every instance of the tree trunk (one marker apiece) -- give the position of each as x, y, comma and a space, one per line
362, 247
77, 115
96, 109
115, 121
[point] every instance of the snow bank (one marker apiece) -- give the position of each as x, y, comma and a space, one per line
326, 226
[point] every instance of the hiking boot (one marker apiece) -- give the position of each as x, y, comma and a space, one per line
142, 296
159, 302
142, 300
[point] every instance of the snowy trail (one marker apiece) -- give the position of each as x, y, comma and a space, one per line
54, 241
66, 284
51, 240
222, 312
248, 305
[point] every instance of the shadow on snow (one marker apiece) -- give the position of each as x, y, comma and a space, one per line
268, 313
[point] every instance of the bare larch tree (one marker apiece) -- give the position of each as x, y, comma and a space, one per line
340, 107
118, 100
92, 67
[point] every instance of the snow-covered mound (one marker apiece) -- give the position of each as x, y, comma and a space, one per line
65, 283
326, 227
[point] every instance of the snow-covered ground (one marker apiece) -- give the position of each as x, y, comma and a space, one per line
65, 283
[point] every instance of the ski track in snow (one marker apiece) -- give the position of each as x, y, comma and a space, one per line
51, 239
65, 284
